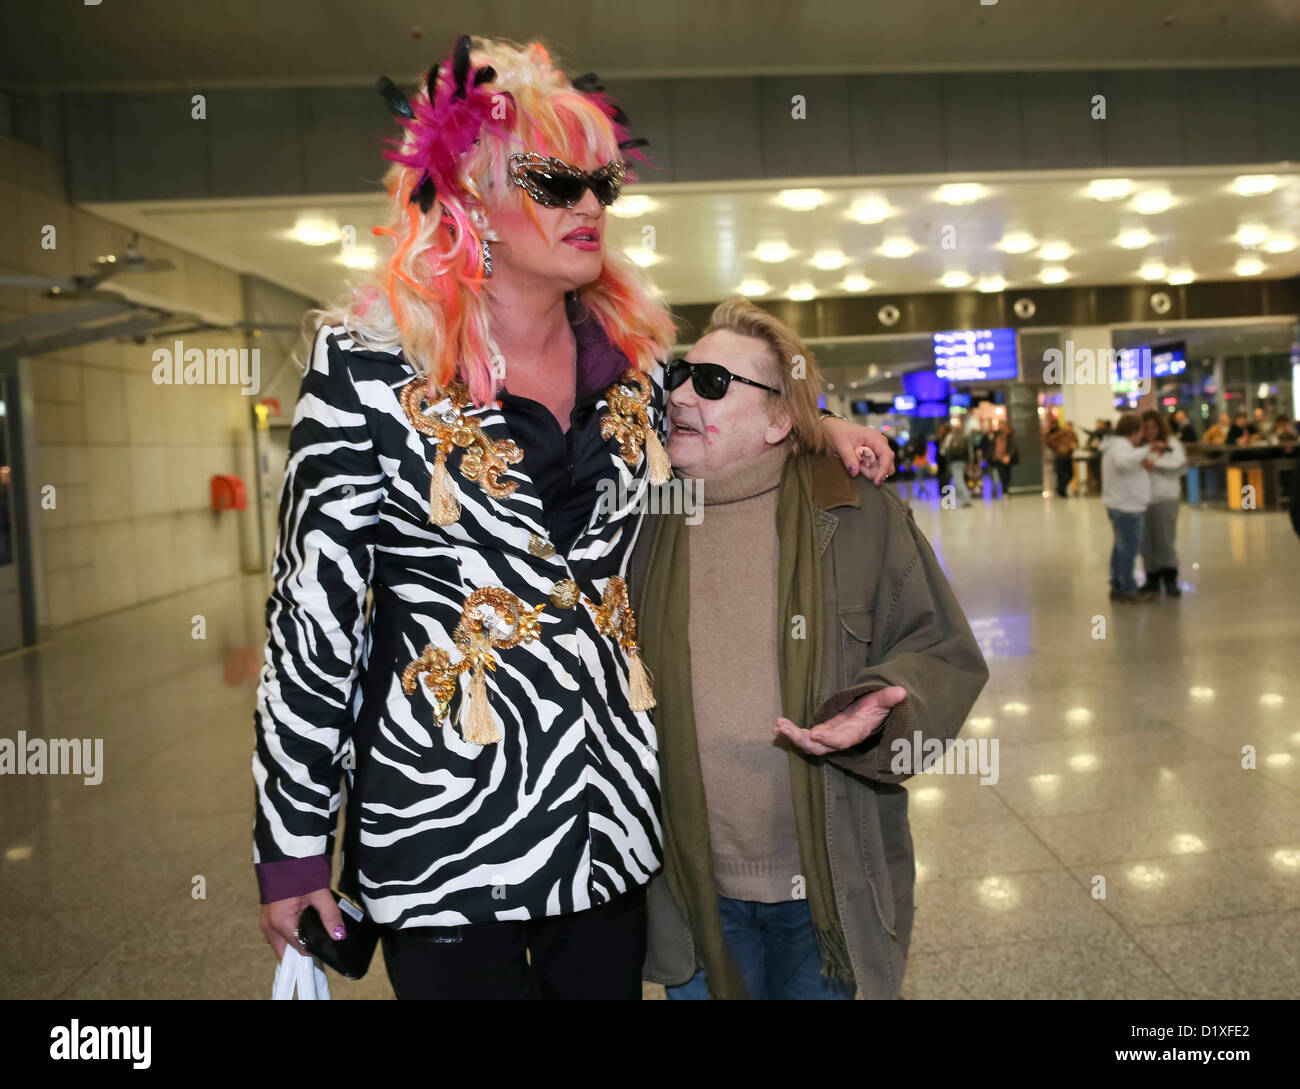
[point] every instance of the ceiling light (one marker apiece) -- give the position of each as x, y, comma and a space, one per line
631, 205
1135, 238
1153, 270
1056, 251
1280, 243
1110, 188
1254, 185
802, 200
1248, 266
1053, 274
830, 259
751, 288
772, 252
1017, 242
1181, 275
315, 232
1250, 235
856, 284
955, 278
870, 210
961, 193
801, 292
1153, 202
991, 284
898, 247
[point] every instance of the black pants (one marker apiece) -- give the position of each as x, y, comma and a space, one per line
593, 954
1004, 475
1064, 470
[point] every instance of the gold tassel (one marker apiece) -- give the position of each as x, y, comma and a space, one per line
443, 507
477, 725
661, 469
641, 695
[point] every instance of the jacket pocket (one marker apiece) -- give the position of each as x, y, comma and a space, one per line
855, 643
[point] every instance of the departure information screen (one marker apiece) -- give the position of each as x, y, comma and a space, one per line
975, 355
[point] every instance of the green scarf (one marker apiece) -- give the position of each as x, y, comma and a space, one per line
663, 625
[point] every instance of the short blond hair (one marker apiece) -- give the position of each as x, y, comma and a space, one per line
799, 391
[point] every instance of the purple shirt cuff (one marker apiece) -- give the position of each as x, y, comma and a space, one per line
292, 877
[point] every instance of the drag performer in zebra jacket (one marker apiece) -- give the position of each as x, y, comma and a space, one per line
451, 656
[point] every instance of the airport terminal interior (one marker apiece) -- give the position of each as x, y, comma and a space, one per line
1000, 233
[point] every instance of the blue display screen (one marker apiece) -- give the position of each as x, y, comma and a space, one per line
960, 400
904, 404
973, 355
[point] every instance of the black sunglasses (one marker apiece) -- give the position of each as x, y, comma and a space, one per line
709, 379
553, 183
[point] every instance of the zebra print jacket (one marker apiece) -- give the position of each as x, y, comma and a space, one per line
479, 621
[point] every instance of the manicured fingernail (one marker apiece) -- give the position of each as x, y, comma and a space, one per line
853, 471
340, 933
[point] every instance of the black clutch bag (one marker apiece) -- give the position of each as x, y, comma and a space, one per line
348, 956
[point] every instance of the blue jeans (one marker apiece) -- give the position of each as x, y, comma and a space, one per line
1128, 541
774, 947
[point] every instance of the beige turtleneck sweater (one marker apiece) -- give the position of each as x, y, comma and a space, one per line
735, 683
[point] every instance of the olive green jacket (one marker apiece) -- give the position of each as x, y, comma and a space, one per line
889, 617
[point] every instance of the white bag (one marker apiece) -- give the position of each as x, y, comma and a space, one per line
301, 972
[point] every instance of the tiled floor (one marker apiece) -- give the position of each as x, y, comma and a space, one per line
1120, 758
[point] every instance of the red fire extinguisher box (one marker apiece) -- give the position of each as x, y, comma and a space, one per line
228, 493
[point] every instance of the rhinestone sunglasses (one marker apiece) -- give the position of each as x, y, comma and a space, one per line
553, 183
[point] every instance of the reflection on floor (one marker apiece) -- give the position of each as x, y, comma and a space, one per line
1120, 734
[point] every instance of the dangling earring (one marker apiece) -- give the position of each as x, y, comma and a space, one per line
487, 260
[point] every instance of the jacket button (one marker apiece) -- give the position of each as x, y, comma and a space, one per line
564, 594
540, 547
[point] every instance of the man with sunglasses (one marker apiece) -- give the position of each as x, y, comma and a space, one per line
798, 632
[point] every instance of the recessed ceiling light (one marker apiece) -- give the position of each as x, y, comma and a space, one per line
829, 259
1135, 238
1254, 185
772, 252
631, 205
751, 288
961, 193
1017, 242
1110, 188
991, 284
898, 247
1056, 251
1250, 235
315, 232
802, 200
955, 278
1248, 266
1280, 243
856, 284
801, 292
1053, 275
1181, 275
1153, 270
643, 257
1153, 202
870, 210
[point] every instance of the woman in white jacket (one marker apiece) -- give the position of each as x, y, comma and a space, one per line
1159, 556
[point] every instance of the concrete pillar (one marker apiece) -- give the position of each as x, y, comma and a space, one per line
1084, 404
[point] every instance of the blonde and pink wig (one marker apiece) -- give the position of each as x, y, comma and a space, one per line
450, 170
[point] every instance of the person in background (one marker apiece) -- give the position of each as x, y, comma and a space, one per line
1159, 528
1097, 435
957, 453
1241, 431
1183, 427
1005, 455
1262, 427
1284, 431
1126, 493
941, 456
1217, 434
1062, 442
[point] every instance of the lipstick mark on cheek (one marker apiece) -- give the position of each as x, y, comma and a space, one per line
710, 430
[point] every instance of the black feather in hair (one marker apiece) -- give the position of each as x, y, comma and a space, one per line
397, 102
424, 195
486, 74
460, 65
